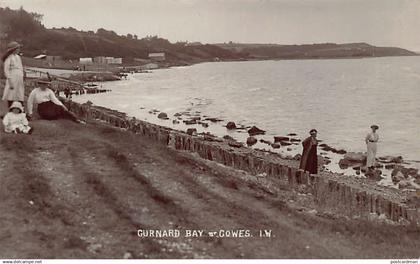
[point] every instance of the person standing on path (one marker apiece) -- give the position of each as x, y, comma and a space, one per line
14, 89
309, 160
371, 143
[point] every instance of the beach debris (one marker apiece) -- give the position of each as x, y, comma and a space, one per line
351, 159
326, 160
397, 176
326, 147
292, 134
191, 131
404, 171
213, 119
251, 141
278, 139
389, 166
266, 141
190, 122
408, 184
210, 137
162, 115
391, 159
374, 174
195, 118
175, 122
204, 124
235, 144
227, 137
378, 165
154, 111
253, 131
231, 125
275, 145
284, 143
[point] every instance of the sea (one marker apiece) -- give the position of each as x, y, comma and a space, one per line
341, 98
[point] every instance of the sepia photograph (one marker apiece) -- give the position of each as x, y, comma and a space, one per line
135, 130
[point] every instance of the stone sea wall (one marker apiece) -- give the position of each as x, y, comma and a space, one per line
334, 193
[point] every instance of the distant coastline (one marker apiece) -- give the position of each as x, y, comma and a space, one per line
68, 48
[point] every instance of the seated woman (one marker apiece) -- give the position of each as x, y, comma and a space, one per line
49, 107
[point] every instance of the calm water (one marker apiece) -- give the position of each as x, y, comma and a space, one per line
341, 98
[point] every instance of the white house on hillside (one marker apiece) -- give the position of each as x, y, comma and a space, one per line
158, 56
85, 60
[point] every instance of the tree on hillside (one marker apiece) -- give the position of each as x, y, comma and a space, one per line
70, 43
18, 24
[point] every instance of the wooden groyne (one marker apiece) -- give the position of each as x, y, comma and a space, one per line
59, 84
334, 193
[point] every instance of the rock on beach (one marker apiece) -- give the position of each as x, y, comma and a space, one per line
163, 115
253, 131
231, 125
351, 159
191, 131
251, 141
280, 138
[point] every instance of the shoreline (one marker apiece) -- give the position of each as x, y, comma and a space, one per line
380, 200
351, 168
187, 64
68, 183
334, 159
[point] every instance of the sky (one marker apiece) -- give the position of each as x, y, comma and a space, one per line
377, 22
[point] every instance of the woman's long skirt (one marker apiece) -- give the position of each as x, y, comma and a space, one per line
371, 154
309, 161
50, 111
14, 89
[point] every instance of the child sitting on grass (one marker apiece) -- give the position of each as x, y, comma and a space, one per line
15, 120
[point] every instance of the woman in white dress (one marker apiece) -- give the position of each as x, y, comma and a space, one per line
371, 142
14, 89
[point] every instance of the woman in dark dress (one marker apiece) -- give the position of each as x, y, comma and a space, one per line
309, 160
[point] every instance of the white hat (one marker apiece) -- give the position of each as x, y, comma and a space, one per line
17, 105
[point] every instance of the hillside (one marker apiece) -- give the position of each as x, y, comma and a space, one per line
27, 28
71, 43
313, 51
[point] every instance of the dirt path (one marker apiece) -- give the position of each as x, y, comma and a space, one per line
71, 191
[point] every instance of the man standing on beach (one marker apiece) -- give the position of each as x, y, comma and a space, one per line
309, 160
